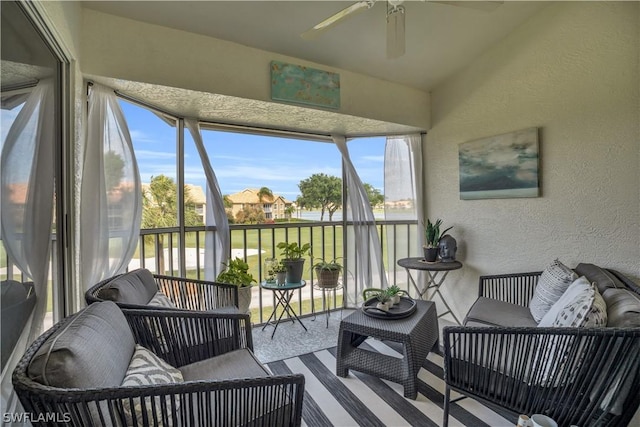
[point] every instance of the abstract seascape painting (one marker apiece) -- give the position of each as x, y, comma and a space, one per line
501, 166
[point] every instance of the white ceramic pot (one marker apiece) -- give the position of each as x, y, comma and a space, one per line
384, 306
244, 298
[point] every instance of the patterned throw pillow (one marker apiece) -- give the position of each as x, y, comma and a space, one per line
146, 368
161, 300
553, 282
586, 310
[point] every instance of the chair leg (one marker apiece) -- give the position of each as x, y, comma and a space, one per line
445, 417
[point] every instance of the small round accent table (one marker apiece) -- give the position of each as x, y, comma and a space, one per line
433, 269
283, 294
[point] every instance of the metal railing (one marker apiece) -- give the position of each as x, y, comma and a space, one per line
160, 250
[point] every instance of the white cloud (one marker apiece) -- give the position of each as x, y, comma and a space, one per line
143, 155
141, 136
379, 158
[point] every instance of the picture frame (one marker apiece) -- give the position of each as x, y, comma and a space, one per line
304, 85
500, 166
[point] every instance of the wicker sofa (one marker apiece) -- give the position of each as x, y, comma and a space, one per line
94, 369
137, 289
576, 375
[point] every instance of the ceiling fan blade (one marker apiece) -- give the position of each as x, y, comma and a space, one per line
355, 8
485, 6
395, 32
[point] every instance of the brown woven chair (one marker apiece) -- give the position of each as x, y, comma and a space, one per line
136, 288
577, 376
72, 375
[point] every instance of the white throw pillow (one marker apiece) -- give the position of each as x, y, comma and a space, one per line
146, 368
553, 282
579, 288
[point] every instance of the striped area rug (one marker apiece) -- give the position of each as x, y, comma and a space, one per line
364, 400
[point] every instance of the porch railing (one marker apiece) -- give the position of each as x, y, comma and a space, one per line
160, 250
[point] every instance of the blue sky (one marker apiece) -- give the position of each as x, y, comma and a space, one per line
247, 161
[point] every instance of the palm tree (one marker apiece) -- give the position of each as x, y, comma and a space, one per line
265, 192
160, 210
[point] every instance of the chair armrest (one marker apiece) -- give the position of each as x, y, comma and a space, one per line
513, 288
529, 369
202, 295
274, 400
183, 337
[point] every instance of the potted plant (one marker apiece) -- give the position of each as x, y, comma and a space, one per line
237, 273
327, 272
433, 234
394, 293
280, 271
383, 300
292, 259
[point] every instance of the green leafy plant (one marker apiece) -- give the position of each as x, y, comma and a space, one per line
332, 265
433, 233
279, 267
383, 296
291, 251
393, 290
236, 273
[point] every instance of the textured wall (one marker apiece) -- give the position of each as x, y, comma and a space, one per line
572, 71
132, 50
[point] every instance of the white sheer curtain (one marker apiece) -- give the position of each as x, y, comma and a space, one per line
217, 245
111, 193
403, 193
27, 195
363, 247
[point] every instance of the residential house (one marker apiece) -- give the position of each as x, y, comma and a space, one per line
273, 207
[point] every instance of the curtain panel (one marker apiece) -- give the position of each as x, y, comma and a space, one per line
111, 192
27, 176
403, 191
218, 243
364, 251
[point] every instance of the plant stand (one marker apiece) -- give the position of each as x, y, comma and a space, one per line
326, 301
282, 294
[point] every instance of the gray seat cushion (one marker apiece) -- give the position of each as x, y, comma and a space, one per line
234, 364
602, 278
491, 312
623, 308
136, 287
92, 350
18, 300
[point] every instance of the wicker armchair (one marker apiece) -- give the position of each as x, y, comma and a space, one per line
578, 376
216, 399
140, 285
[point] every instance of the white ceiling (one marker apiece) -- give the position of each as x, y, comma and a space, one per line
441, 39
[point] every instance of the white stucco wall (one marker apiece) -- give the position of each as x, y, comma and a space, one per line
132, 50
572, 71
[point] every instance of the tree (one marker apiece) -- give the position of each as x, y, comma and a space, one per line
250, 215
265, 193
113, 169
374, 195
321, 191
160, 210
289, 211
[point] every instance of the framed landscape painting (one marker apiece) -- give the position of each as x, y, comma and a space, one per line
501, 166
304, 85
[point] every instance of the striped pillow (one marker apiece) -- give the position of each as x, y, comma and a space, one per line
553, 282
146, 368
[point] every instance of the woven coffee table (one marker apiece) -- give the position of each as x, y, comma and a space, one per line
418, 334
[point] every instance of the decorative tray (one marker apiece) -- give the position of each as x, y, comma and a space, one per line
405, 308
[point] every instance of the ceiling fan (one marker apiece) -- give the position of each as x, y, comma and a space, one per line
395, 20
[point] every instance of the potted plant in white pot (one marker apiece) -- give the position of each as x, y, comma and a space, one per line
432, 235
292, 259
237, 273
384, 300
327, 272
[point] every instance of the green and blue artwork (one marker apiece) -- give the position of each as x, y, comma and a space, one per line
304, 85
